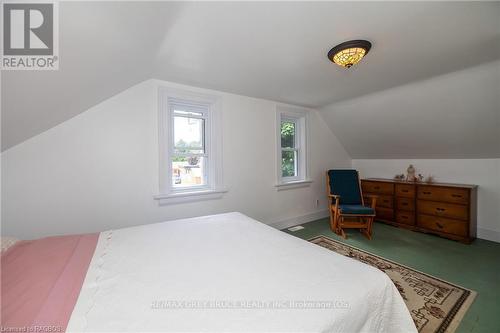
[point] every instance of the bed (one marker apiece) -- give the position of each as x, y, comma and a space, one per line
219, 273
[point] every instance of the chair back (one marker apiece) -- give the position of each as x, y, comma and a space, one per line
345, 183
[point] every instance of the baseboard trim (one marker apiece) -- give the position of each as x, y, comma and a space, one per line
293, 221
488, 234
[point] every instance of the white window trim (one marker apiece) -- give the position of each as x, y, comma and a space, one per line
300, 116
214, 188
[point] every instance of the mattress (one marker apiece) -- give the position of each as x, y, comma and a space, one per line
229, 273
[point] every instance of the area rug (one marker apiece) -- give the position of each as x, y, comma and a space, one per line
436, 306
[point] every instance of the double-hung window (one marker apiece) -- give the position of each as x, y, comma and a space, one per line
190, 147
292, 147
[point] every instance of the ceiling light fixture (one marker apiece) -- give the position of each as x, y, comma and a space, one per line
349, 53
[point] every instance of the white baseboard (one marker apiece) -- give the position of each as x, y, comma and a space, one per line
487, 234
292, 221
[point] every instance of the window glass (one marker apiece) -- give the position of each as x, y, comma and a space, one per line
287, 134
188, 171
289, 163
189, 135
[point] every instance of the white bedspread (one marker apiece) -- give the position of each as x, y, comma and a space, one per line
230, 273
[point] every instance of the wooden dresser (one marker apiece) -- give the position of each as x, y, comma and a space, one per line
448, 210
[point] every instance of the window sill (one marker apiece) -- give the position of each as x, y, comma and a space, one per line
182, 197
294, 184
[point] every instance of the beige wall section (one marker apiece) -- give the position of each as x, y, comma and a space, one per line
99, 170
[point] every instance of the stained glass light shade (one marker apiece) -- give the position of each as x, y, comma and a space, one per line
349, 53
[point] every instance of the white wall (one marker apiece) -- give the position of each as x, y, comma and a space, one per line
482, 172
99, 170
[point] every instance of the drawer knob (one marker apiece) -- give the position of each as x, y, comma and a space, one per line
405, 204
439, 225
426, 192
405, 191
377, 187
386, 200
404, 216
456, 195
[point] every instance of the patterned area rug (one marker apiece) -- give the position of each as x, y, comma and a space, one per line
436, 306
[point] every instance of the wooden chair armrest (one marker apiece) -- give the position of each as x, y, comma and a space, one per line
336, 198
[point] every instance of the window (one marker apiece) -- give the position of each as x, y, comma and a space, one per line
292, 147
190, 147
289, 149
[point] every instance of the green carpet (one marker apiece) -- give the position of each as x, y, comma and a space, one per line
475, 266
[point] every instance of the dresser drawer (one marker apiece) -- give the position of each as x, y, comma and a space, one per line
382, 201
384, 213
450, 226
405, 190
385, 201
405, 204
448, 194
377, 187
443, 209
405, 218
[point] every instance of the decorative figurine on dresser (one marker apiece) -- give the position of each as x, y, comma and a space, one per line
410, 174
444, 209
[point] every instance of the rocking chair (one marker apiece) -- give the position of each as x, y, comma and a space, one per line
346, 204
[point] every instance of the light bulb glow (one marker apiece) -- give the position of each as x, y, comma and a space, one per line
349, 57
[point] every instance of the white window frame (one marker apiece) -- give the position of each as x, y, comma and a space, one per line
300, 118
209, 106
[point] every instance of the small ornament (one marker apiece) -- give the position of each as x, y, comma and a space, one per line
420, 177
400, 177
429, 179
410, 176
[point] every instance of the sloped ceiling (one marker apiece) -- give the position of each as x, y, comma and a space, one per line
104, 48
455, 115
270, 50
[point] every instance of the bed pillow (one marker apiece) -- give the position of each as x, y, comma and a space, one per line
7, 242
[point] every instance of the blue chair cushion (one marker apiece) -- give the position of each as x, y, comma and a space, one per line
356, 209
345, 183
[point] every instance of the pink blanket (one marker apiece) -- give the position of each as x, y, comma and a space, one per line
41, 280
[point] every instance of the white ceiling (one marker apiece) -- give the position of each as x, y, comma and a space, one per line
272, 50
455, 115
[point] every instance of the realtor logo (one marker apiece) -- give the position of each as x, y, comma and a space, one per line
29, 36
